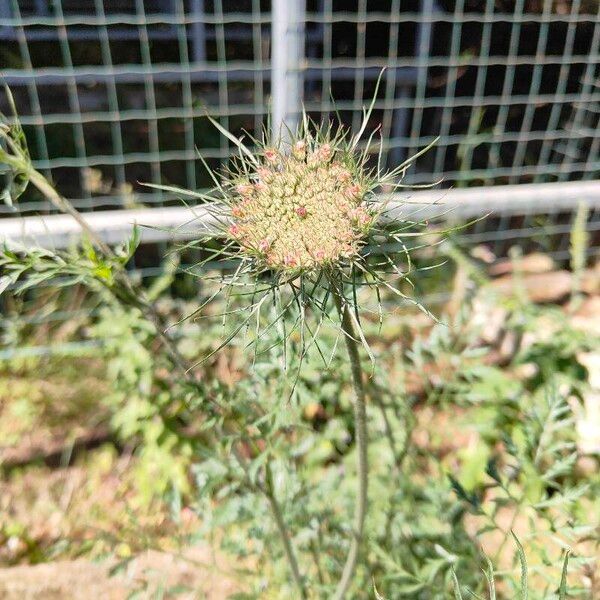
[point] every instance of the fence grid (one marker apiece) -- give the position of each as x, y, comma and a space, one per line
112, 94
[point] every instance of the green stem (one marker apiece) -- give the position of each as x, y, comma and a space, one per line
285, 537
360, 417
46, 188
268, 490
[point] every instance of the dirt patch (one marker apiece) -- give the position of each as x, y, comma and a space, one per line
197, 574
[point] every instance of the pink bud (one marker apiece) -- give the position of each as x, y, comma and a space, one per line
343, 175
263, 245
324, 152
237, 211
271, 155
290, 261
319, 255
360, 215
234, 230
244, 189
354, 190
259, 186
299, 150
347, 251
263, 173
301, 212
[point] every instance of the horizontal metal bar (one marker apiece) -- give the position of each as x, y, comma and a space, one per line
340, 68
114, 226
184, 112
467, 203
149, 19
177, 155
89, 34
163, 224
170, 72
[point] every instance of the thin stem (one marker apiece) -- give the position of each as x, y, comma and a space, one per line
268, 490
360, 417
44, 186
283, 532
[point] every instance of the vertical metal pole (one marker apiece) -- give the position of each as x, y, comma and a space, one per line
198, 31
399, 126
422, 49
287, 57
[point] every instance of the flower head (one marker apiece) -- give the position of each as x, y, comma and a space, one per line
304, 222
305, 202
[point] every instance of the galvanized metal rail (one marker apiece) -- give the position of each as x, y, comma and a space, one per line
170, 223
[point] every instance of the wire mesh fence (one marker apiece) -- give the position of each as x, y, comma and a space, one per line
114, 93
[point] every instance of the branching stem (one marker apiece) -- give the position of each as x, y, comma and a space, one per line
360, 416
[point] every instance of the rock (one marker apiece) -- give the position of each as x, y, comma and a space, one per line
484, 254
488, 319
591, 361
531, 263
588, 416
588, 424
538, 287
587, 316
590, 281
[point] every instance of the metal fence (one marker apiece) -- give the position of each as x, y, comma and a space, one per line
115, 92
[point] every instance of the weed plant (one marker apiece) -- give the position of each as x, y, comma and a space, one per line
275, 465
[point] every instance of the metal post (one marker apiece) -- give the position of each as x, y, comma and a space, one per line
422, 47
287, 56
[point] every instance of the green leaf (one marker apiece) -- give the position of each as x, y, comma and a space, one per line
457, 593
13, 145
489, 575
460, 491
378, 596
5, 281
492, 469
133, 242
523, 561
176, 190
562, 590
104, 272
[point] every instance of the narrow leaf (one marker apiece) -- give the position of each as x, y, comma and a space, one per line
235, 140
562, 590
523, 561
457, 593
489, 575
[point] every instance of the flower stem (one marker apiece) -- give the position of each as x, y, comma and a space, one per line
360, 417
